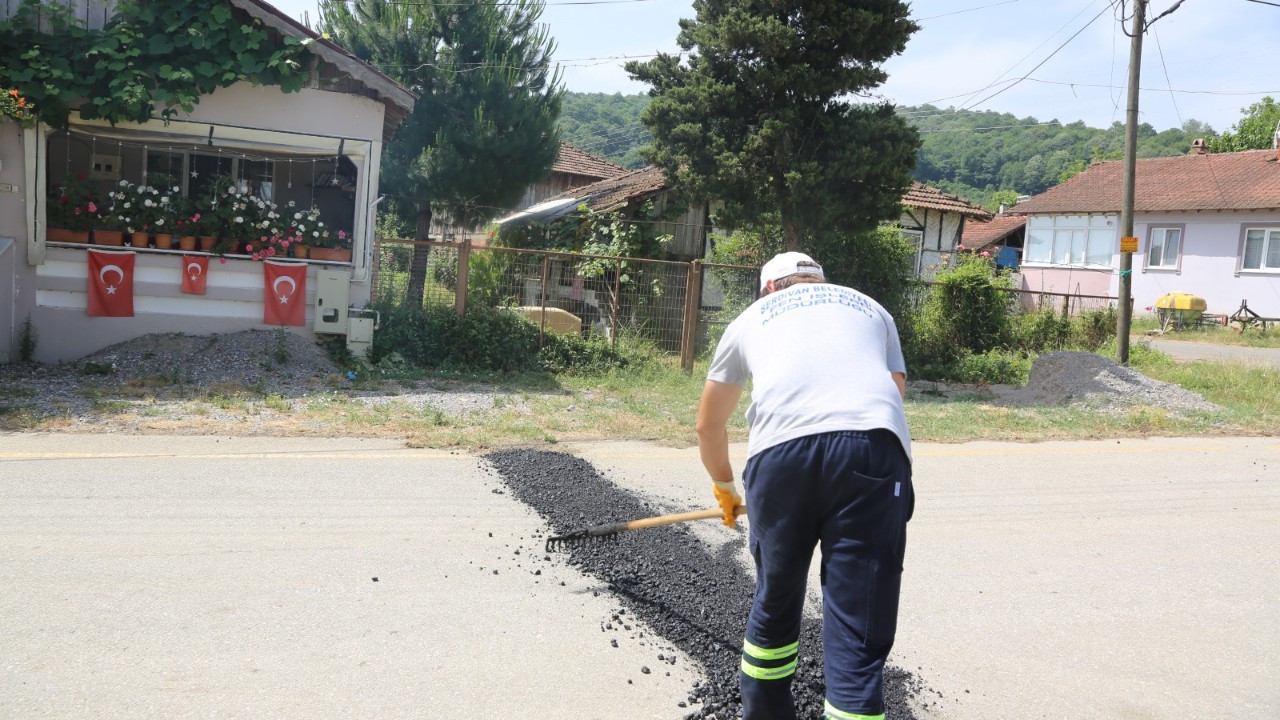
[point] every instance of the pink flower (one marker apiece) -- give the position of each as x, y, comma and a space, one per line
255, 256
249, 247
91, 207
195, 218
271, 252
960, 246
986, 254
342, 234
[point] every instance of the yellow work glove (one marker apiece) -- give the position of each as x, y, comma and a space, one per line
729, 499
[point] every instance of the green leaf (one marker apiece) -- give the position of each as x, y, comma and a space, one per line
159, 45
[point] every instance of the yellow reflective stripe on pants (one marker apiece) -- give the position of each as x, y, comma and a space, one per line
831, 712
774, 673
760, 653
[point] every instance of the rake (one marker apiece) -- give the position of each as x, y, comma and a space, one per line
612, 530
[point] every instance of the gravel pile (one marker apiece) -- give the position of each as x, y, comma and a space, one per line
1064, 377
667, 578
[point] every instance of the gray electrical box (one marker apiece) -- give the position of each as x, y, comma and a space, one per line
360, 336
333, 295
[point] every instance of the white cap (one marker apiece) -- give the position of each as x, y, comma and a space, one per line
788, 263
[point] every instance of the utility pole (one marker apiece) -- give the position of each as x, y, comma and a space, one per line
1130, 178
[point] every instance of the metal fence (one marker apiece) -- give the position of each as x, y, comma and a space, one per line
675, 307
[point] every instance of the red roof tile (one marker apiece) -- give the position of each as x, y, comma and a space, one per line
615, 192
923, 196
979, 235
1215, 181
575, 161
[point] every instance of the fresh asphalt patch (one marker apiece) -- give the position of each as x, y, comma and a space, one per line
669, 581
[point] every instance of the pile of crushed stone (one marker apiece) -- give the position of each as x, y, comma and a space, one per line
1060, 378
668, 579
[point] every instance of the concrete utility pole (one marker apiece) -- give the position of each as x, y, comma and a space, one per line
1130, 172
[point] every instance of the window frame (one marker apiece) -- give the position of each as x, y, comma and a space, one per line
1067, 225
1271, 233
1174, 267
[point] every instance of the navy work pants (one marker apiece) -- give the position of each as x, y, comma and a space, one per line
849, 493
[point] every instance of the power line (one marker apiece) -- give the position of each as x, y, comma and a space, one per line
1047, 59
1172, 97
960, 12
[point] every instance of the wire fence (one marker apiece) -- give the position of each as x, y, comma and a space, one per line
673, 307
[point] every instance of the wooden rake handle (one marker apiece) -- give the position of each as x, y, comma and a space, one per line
675, 518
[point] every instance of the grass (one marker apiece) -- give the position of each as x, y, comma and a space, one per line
1212, 334
656, 404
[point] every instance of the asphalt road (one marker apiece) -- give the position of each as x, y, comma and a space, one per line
1189, 351
166, 577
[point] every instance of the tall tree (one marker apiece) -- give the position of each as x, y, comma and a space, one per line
1255, 131
484, 126
758, 117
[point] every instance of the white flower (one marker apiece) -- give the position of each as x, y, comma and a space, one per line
111, 194
164, 200
160, 221
126, 206
124, 183
177, 189
148, 203
239, 219
297, 215
315, 233
302, 228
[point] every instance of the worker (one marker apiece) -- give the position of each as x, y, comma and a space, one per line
829, 464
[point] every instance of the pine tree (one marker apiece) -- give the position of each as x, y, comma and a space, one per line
759, 117
483, 128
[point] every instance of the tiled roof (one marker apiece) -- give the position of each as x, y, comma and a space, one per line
979, 235
575, 161
614, 192
923, 196
1215, 181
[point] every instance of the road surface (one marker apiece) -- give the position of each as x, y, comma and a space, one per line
180, 577
1189, 351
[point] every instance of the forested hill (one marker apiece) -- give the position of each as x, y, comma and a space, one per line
971, 154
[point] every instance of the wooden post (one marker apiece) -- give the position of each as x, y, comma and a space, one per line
546, 271
464, 262
692, 309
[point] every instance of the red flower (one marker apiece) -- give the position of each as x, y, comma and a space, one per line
80, 176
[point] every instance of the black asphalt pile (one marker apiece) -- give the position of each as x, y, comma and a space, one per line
668, 579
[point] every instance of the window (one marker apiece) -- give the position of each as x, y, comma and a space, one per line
1261, 249
1163, 246
1070, 240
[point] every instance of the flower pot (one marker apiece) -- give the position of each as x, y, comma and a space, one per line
108, 237
187, 242
164, 241
299, 250
139, 239
64, 235
331, 254
208, 242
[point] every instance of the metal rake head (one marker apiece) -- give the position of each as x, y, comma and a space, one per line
578, 539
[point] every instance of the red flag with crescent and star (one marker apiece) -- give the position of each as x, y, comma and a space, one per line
195, 274
285, 288
110, 283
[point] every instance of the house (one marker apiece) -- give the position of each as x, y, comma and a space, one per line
573, 168
1206, 224
1002, 237
934, 222
318, 147
625, 193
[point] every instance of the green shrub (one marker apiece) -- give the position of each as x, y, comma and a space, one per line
1003, 367
1041, 331
1092, 329
572, 353
966, 311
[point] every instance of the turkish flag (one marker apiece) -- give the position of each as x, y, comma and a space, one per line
110, 283
285, 293
195, 273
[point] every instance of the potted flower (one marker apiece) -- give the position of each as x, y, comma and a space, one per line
71, 211
116, 214
168, 211
321, 241
188, 224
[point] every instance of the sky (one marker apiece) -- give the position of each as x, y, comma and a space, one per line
1218, 56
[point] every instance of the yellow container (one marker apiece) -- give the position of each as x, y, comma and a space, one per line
1181, 301
558, 321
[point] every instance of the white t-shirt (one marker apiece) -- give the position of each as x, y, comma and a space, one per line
819, 357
